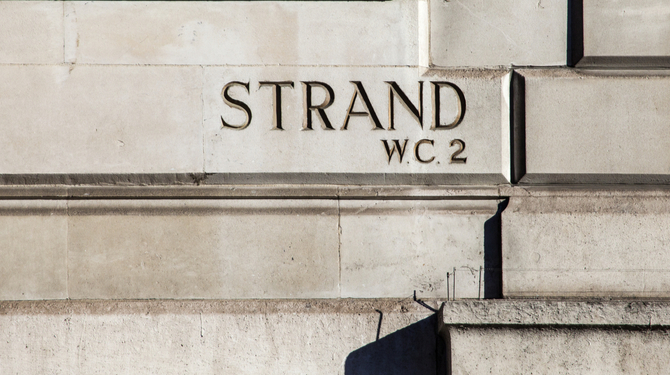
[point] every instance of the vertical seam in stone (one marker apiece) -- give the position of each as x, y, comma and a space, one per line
67, 247
339, 249
430, 57
63, 30
202, 113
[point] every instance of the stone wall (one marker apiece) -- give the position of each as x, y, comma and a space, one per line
363, 187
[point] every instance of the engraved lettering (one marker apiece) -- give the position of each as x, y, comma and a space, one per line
436, 106
416, 150
308, 107
417, 113
369, 111
235, 104
395, 147
454, 159
276, 100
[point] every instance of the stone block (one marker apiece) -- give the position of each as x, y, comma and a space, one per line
100, 119
567, 246
203, 249
32, 32
396, 248
216, 337
563, 350
247, 33
33, 256
360, 148
596, 127
473, 33
626, 28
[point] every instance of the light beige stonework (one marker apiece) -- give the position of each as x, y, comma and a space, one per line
32, 32
359, 149
396, 248
586, 246
473, 33
33, 256
247, 33
484, 350
217, 338
230, 248
596, 127
626, 28
203, 249
100, 119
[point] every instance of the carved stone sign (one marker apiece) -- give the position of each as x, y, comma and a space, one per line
346, 122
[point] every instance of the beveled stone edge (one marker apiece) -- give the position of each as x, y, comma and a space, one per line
272, 191
213, 306
594, 178
505, 312
624, 62
557, 312
329, 191
207, 178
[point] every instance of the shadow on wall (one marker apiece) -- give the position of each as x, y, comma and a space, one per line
414, 350
493, 254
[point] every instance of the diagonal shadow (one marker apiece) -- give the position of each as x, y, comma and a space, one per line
414, 350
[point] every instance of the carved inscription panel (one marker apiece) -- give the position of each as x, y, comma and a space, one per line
356, 121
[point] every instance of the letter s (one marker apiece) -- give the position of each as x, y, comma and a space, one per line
235, 104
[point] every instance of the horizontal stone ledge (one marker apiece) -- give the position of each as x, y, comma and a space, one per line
543, 312
273, 191
206, 178
216, 306
321, 191
624, 62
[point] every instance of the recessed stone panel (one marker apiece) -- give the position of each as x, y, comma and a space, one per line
247, 33
596, 127
203, 249
476, 33
586, 246
100, 119
336, 125
394, 248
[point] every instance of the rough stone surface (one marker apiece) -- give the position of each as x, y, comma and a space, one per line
100, 119
596, 127
479, 350
474, 33
543, 312
586, 246
218, 337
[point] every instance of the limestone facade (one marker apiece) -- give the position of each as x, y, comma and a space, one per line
363, 187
